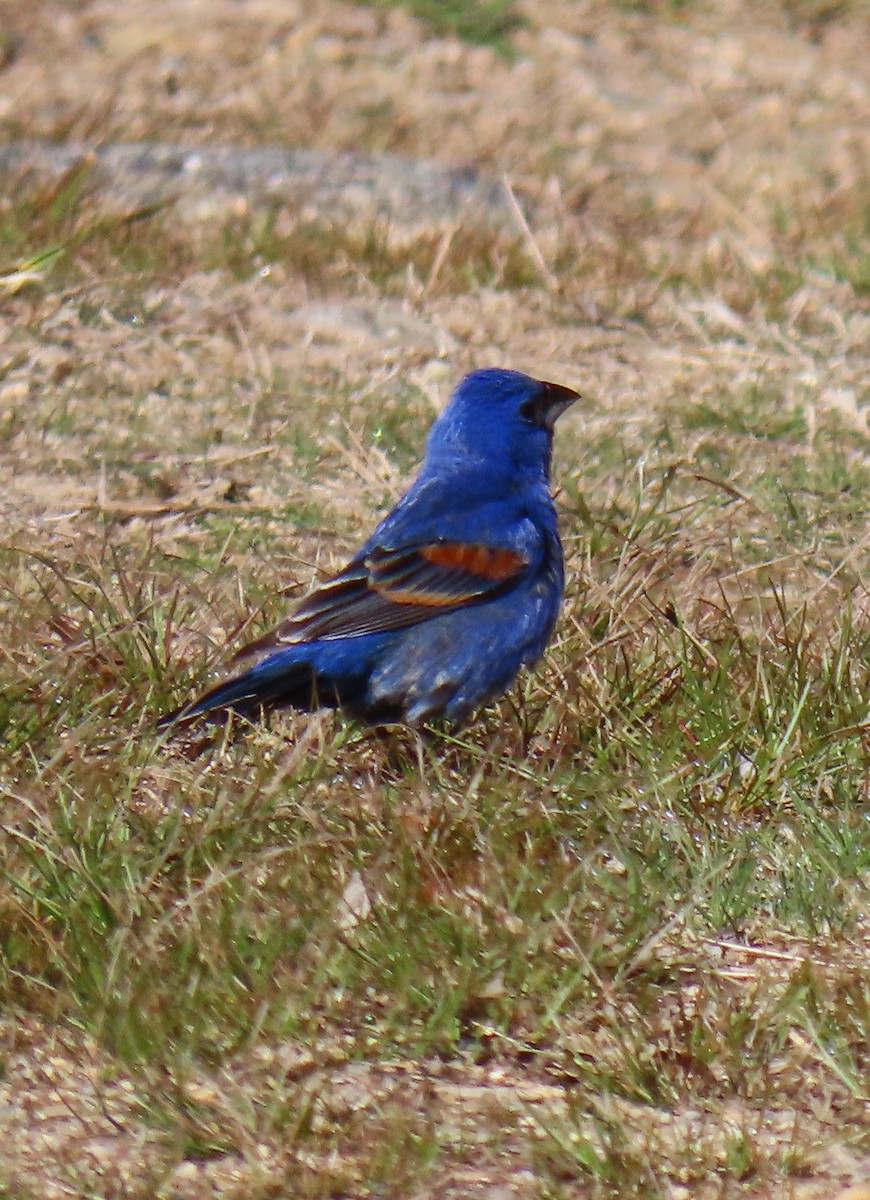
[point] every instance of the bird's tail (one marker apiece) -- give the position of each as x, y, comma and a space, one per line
270, 684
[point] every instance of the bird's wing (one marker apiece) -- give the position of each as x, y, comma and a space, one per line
384, 589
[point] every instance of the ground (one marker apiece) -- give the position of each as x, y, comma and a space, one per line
612, 938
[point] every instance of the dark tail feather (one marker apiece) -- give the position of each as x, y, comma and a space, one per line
268, 685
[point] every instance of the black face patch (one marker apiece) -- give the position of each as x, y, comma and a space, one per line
548, 404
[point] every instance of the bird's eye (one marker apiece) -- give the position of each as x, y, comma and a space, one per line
531, 410
546, 405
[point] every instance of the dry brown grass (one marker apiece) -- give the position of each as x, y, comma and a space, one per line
610, 941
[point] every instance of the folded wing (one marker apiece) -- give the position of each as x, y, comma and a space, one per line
389, 589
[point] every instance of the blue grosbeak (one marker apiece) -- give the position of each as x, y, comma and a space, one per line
454, 591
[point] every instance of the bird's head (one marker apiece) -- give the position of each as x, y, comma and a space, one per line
503, 417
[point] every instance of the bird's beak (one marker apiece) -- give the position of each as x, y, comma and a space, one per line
553, 400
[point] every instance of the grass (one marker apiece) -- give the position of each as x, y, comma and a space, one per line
62, 230
609, 940
539, 888
483, 22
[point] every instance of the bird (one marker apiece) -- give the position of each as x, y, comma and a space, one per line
456, 590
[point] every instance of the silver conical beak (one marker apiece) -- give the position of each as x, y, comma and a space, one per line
552, 401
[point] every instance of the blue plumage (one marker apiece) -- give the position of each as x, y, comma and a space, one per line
456, 589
